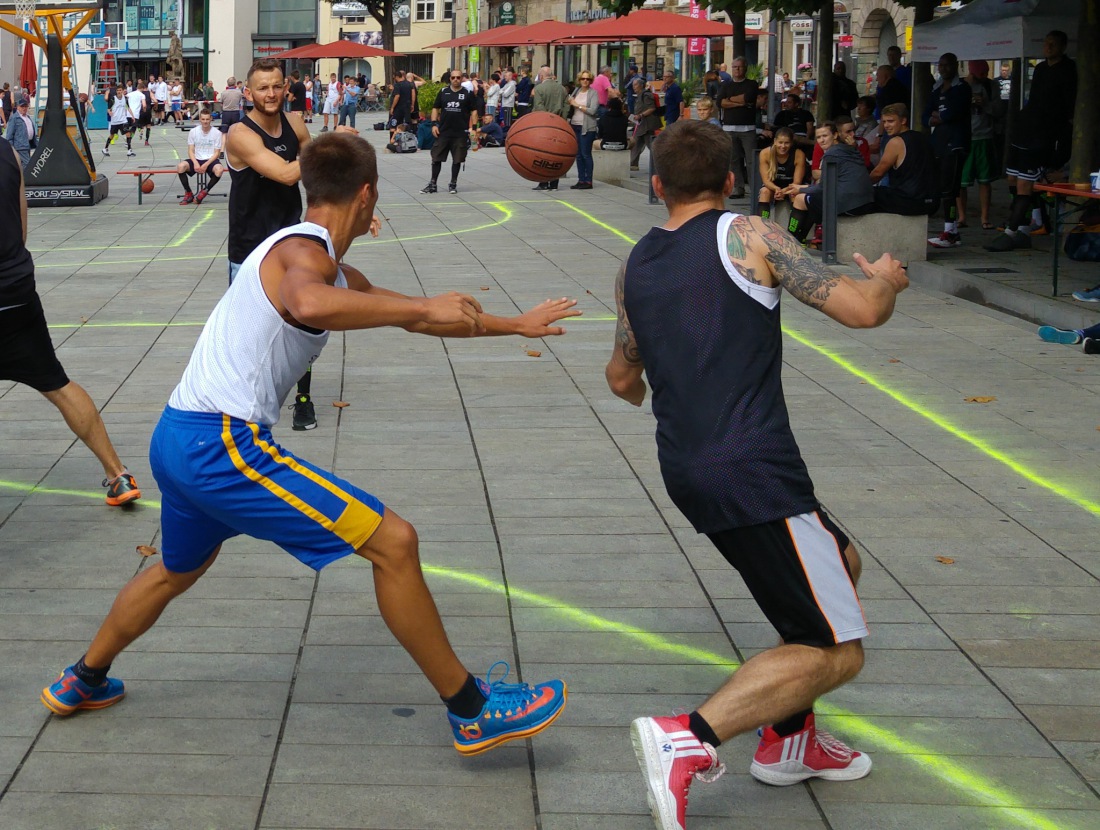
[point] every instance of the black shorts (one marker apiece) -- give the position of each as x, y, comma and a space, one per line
1024, 162
796, 571
191, 171
889, 200
229, 118
26, 351
117, 129
951, 167
454, 143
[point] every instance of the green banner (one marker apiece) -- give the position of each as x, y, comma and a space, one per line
471, 26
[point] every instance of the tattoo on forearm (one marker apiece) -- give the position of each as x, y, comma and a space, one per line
624, 335
804, 277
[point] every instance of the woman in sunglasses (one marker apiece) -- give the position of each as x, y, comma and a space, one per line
585, 102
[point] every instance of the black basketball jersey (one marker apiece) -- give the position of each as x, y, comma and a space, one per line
16, 265
712, 349
259, 206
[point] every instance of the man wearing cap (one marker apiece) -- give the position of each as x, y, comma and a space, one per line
21, 132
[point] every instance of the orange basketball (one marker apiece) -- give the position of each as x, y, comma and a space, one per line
147, 186
541, 146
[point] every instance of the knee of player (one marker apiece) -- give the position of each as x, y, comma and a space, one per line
395, 542
848, 660
181, 167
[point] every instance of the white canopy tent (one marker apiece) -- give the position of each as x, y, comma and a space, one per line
993, 29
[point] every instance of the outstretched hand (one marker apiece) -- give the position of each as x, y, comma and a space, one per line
537, 321
885, 268
453, 308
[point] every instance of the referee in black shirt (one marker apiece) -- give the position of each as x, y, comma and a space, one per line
455, 115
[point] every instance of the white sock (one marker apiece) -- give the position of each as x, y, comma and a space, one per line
951, 227
1024, 229
1036, 216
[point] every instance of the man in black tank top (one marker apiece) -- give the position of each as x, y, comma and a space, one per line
262, 152
698, 304
908, 167
26, 350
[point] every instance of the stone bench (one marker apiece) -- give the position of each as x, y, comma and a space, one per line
610, 166
873, 234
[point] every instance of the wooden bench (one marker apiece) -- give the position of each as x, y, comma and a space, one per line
145, 173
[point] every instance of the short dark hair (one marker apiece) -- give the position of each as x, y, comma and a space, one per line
867, 101
263, 65
1059, 36
335, 166
826, 125
295, 75
692, 159
843, 118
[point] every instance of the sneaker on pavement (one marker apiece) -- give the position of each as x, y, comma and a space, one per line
1090, 345
131, 153
1003, 242
810, 753
187, 199
69, 693
429, 188
202, 194
121, 489
1091, 295
147, 144
512, 711
670, 757
105, 153
305, 417
946, 240
452, 188
1067, 337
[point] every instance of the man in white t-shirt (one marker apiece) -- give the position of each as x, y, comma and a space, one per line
120, 120
204, 150
135, 108
160, 92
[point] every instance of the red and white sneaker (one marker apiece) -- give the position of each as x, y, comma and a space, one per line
810, 753
670, 756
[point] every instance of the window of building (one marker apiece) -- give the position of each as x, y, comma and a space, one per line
448, 10
287, 17
360, 19
425, 10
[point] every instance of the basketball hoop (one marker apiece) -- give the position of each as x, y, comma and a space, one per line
25, 9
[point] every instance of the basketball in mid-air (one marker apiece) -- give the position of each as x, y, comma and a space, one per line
147, 186
541, 146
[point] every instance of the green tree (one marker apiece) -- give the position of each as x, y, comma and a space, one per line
381, 11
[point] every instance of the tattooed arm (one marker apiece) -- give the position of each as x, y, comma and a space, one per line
624, 370
767, 255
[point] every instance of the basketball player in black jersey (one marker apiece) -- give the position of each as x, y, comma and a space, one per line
701, 318
262, 152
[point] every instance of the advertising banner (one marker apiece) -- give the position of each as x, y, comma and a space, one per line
696, 45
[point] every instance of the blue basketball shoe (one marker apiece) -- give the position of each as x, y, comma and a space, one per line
512, 711
69, 693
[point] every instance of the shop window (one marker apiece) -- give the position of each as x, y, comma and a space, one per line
425, 10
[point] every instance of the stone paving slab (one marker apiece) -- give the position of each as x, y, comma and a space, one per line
271, 697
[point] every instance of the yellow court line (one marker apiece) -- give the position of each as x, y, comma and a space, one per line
187, 235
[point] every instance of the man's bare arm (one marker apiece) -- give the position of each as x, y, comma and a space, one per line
624, 369
887, 160
244, 148
855, 303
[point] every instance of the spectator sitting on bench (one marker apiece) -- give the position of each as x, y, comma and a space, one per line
490, 133
613, 126
906, 174
782, 168
204, 150
854, 190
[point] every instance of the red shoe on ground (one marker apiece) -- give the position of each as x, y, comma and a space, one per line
670, 757
187, 199
807, 754
200, 196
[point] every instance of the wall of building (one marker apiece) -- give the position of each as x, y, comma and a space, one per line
231, 40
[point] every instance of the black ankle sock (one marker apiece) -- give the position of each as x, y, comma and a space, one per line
93, 677
468, 702
799, 224
455, 169
304, 382
702, 730
795, 723
436, 167
184, 181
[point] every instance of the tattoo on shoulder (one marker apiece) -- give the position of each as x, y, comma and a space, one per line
737, 246
804, 277
624, 334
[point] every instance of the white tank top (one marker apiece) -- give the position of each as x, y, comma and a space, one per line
248, 358
333, 90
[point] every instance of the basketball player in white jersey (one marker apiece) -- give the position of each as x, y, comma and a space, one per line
221, 474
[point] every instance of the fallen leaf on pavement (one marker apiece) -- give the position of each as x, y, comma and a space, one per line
83, 319
146, 550
484, 288
894, 360
533, 353
340, 404
981, 399
945, 560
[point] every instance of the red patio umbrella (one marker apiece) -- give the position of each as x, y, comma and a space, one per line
472, 39
648, 24
342, 49
28, 71
545, 31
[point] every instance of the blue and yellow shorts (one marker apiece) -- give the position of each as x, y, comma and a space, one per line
220, 477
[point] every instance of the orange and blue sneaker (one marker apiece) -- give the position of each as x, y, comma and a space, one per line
69, 693
121, 489
512, 711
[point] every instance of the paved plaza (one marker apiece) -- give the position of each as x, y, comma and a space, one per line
956, 448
